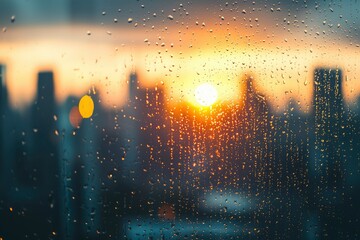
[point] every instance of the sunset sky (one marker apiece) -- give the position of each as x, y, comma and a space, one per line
181, 45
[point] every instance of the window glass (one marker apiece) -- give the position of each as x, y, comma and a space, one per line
179, 120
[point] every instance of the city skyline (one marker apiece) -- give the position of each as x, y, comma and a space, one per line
190, 98
181, 151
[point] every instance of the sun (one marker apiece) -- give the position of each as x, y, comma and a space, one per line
206, 94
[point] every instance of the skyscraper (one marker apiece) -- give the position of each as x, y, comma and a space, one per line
3, 106
328, 123
44, 128
328, 158
134, 114
154, 153
90, 172
254, 128
69, 151
2, 88
45, 162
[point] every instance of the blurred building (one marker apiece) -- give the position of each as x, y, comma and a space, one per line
90, 171
133, 114
154, 152
254, 132
32, 166
3, 103
287, 174
45, 161
3, 110
328, 158
70, 168
74, 178
45, 157
329, 117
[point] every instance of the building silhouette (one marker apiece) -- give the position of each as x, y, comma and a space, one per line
3, 103
3, 111
254, 132
44, 147
32, 165
153, 144
90, 172
134, 113
74, 178
328, 111
45, 162
287, 174
70, 168
328, 158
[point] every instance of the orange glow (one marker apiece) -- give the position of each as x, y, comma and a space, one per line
284, 69
166, 212
75, 117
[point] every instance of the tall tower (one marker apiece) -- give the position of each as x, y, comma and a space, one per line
3, 107
44, 124
3, 96
328, 123
71, 184
90, 173
254, 128
132, 124
45, 161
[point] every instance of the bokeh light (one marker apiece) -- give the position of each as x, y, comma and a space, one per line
75, 117
86, 106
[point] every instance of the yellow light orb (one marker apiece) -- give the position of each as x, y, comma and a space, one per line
86, 106
206, 94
